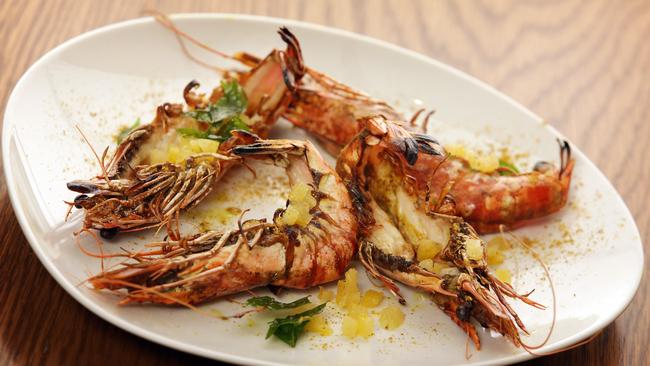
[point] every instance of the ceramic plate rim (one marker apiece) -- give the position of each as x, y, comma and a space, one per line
217, 354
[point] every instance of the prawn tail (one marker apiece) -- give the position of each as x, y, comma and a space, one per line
292, 62
566, 162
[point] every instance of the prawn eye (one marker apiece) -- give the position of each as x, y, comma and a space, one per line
428, 144
109, 233
79, 199
464, 310
410, 151
82, 186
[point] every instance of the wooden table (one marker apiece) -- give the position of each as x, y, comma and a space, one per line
584, 66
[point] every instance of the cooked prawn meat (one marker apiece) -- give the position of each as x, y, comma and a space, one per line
396, 224
156, 164
397, 198
309, 242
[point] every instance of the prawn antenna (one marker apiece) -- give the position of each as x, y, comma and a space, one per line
99, 161
516, 239
181, 36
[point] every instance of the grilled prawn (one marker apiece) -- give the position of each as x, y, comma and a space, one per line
446, 184
335, 113
150, 179
332, 111
309, 242
392, 175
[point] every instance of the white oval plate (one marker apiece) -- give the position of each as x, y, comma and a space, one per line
113, 75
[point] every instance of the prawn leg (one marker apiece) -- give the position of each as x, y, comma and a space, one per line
388, 171
309, 242
133, 194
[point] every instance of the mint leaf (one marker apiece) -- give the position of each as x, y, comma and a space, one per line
272, 304
290, 328
232, 103
223, 116
507, 168
192, 132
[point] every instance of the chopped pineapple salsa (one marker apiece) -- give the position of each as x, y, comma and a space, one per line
391, 317
503, 274
325, 295
432, 266
486, 163
358, 320
318, 324
182, 149
347, 291
358, 326
372, 298
474, 249
495, 248
301, 202
428, 249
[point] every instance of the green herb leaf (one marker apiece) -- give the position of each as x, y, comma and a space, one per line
509, 168
192, 132
272, 304
223, 116
202, 115
232, 103
290, 328
126, 130
234, 123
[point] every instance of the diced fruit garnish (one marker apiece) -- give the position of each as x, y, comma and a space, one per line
503, 274
318, 324
428, 249
291, 215
347, 293
438, 267
357, 326
157, 156
485, 163
457, 150
179, 151
204, 145
300, 202
365, 326
349, 327
474, 249
494, 256
173, 154
357, 311
372, 298
358, 321
432, 266
391, 317
301, 192
499, 242
481, 162
427, 264
325, 295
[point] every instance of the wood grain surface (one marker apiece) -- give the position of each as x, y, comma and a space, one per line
583, 65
